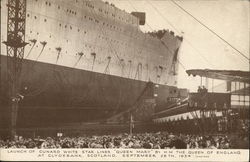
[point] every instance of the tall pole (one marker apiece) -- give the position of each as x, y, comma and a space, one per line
131, 124
15, 51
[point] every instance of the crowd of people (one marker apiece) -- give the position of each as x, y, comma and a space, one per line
160, 140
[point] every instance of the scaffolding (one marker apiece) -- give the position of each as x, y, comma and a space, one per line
15, 51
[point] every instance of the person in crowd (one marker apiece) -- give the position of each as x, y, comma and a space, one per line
159, 140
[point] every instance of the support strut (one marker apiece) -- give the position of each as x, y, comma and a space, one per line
15, 51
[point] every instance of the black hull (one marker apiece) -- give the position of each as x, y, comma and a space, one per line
55, 94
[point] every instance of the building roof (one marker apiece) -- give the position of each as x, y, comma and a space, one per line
228, 75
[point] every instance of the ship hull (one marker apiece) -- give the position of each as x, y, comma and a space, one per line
56, 95
85, 67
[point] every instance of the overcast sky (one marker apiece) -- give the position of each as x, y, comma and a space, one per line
200, 48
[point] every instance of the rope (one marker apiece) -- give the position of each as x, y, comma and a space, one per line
209, 29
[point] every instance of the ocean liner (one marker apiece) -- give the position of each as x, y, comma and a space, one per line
88, 61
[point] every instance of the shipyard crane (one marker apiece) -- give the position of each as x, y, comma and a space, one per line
15, 45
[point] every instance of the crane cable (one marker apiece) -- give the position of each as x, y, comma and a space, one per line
213, 32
